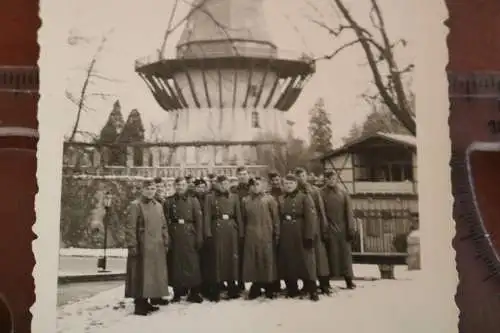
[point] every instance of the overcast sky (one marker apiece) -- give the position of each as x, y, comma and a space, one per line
135, 29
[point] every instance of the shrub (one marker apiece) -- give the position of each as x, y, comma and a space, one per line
80, 199
400, 243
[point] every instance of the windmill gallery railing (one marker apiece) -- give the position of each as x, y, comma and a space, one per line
150, 160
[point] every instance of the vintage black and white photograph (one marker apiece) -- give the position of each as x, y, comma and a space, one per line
240, 165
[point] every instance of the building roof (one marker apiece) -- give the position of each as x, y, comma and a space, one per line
401, 139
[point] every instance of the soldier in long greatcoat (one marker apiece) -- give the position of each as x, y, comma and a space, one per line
296, 256
224, 229
146, 237
206, 257
322, 265
341, 228
261, 220
242, 190
185, 225
276, 190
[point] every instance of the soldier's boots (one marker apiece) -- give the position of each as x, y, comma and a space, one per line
311, 289
349, 283
241, 286
276, 285
194, 296
324, 286
159, 301
178, 293
143, 307
292, 289
233, 291
270, 290
215, 292
255, 291
206, 290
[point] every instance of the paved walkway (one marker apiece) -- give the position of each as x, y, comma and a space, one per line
88, 265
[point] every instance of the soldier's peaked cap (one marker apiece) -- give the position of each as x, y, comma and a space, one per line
221, 178
199, 181
148, 182
329, 173
291, 177
253, 181
273, 174
299, 170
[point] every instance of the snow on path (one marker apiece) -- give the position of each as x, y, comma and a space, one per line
389, 306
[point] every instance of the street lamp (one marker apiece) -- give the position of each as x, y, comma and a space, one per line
101, 262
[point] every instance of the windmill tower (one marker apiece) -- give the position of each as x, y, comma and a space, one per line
227, 90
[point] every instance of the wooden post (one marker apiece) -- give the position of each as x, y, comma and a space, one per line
96, 157
240, 155
145, 156
156, 157
72, 156
361, 235
130, 157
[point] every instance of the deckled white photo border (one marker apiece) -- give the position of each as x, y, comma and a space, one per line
435, 200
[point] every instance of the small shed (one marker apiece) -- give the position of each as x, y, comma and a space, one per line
380, 173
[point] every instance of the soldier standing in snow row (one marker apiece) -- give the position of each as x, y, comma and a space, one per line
261, 221
296, 253
224, 232
147, 240
185, 226
321, 234
242, 191
276, 190
340, 221
206, 256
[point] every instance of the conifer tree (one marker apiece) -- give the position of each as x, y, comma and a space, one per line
320, 128
320, 134
111, 132
133, 132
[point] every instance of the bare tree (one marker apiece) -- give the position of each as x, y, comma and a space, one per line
91, 74
379, 52
154, 133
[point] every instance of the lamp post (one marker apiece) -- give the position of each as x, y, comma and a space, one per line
102, 261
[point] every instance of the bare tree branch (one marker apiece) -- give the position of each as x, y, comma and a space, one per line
169, 28
89, 73
390, 87
102, 77
337, 51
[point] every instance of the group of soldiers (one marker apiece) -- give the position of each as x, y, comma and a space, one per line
209, 239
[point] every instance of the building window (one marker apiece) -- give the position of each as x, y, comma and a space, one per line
388, 172
255, 119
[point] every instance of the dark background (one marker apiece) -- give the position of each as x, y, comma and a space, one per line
474, 46
19, 23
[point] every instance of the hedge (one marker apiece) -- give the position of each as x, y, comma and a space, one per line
82, 210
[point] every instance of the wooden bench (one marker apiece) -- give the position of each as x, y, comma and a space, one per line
385, 261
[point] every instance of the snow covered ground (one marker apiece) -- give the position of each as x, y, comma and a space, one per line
389, 306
